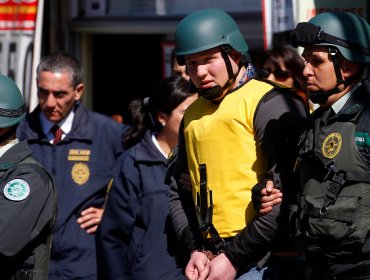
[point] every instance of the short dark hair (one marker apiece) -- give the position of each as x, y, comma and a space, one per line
61, 62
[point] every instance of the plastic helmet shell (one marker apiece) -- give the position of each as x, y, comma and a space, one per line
10, 99
347, 26
207, 29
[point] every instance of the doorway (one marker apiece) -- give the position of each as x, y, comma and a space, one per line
125, 67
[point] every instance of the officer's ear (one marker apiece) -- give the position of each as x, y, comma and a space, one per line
79, 90
349, 68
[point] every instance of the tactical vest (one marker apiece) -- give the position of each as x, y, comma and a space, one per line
334, 203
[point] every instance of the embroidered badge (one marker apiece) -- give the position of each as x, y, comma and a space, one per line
80, 173
332, 145
16, 190
79, 155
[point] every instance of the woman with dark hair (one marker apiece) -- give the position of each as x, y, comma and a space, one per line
283, 65
133, 240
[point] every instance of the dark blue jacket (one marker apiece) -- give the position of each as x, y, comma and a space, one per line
82, 165
132, 236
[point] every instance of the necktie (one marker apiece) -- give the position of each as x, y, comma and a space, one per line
57, 132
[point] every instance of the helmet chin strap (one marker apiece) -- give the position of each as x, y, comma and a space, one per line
216, 93
320, 96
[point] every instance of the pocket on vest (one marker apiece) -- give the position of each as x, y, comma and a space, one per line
336, 222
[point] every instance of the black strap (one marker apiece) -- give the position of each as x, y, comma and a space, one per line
203, 201
338, 178
333, 52
322, 36
205, 208
225, 50
335, 187
216, 240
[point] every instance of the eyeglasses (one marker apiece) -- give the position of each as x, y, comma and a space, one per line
278, 73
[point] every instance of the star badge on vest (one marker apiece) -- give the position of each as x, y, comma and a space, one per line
16, 190
331, 145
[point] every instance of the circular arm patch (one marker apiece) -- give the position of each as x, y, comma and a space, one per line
16, 190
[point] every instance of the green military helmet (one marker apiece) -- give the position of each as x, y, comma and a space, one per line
11, 103
207, 29
348, 32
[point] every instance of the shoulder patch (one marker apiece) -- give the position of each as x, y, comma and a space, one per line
16, 190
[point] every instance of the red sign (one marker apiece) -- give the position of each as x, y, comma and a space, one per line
18, 15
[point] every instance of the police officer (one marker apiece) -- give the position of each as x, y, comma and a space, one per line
81, 161
27, 199
234, 135
335, 154
334, 159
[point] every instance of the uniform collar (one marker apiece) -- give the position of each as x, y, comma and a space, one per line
82, 127
157, 145
65, 124
14, 154
337, 106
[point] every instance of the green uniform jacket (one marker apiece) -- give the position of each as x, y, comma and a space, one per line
27, 203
